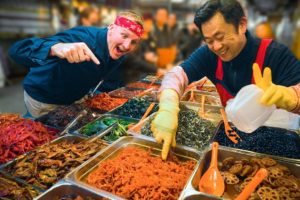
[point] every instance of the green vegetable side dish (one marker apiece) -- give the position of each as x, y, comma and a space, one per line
119, 131
192, 130
101, 124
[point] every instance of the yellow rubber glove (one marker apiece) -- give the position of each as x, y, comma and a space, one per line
164, 125
283, 97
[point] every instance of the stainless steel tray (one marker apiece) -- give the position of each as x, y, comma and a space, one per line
77, 132
79, 175
262, 142
63, 189
4, 167
224, 152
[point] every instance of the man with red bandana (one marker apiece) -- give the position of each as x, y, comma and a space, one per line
228, 60
67, 65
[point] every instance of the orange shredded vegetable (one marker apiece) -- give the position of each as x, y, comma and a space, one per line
135, 174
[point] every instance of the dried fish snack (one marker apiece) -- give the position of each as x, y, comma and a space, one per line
279, 184
46, 165
104, 102
135, 173
23, 136
8, 118
142, 85
192, 131
268, 140
125, 93
10, 189
135, 108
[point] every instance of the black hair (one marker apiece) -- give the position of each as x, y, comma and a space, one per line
231, 10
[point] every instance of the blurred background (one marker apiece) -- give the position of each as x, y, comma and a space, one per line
168, 24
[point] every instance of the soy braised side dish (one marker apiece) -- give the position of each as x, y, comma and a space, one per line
192, 131
45, 166
9, 189
268, 140
280, 183
136, 174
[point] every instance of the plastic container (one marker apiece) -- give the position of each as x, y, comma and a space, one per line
246, 112
283, 119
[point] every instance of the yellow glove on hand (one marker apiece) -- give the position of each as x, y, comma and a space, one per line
164, 125
283, 97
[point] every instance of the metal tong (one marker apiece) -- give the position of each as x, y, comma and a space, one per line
81, 114
231, 134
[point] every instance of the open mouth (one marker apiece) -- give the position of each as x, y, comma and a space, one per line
120, 51
223, 53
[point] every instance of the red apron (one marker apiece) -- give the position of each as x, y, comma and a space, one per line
225, 95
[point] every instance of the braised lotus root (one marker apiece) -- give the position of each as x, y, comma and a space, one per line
279, 184
236, 168
267, 193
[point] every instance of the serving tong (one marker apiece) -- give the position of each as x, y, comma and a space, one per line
81, 114
231, 134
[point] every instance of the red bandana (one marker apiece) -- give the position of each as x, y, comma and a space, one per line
130, 25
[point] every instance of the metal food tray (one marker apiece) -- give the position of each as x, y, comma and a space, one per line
79, 175
99, 133
67, 137
63, 189
294, 160
192, 192
198, 97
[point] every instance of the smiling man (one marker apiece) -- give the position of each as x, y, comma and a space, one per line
227, 60
64, 67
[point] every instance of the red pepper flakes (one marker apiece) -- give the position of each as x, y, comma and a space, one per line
104, 102
23, 136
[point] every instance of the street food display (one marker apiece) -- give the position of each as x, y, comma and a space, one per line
35, 157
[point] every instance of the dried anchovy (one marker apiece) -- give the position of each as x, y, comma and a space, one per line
192, 131
268, 140
135, 108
